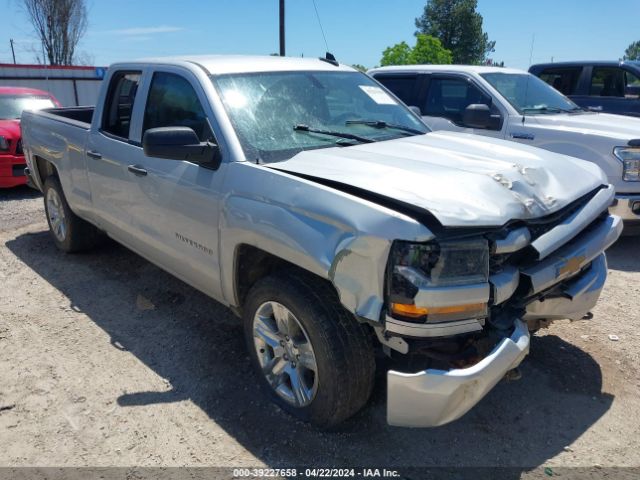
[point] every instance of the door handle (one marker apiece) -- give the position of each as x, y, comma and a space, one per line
94, 154
136, 170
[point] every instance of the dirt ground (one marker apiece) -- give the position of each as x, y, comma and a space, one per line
107, 360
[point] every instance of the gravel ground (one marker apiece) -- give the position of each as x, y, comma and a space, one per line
107, 360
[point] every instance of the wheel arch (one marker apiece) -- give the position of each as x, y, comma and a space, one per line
252, 263
44, 169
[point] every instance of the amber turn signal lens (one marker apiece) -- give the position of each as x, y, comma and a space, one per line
407, 310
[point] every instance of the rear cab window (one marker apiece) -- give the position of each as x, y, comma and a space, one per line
118, 111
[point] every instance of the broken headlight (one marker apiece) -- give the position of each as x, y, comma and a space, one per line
448, 263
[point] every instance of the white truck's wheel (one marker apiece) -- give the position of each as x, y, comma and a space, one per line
70, 233
315, 360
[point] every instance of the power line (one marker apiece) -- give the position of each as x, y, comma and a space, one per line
320, 23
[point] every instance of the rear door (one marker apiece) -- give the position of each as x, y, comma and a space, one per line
108, 152
176, 203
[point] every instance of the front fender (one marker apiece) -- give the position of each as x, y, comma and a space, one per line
332, 234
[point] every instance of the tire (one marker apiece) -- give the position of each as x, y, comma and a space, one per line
70, 233
341, 348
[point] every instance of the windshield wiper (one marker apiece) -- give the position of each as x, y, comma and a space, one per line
549, 110
306, 128
383, 124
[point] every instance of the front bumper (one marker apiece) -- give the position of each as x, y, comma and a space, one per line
435, 397
627, 207
565, 282
12, 170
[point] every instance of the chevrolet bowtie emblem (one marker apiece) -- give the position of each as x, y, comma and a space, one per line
570, 265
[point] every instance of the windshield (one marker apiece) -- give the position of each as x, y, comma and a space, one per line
11, 107
528, 94
278, 114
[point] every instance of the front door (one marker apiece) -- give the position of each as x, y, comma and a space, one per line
446, 100
176, 203
612, 90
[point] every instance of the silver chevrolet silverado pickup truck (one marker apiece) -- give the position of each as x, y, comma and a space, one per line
303, 195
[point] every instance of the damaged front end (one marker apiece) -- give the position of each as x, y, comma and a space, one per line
467, 303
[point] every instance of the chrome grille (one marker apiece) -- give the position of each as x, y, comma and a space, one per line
578, 233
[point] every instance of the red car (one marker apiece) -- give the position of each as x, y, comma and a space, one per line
13, 100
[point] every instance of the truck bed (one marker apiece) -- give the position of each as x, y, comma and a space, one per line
59, 135
78, 116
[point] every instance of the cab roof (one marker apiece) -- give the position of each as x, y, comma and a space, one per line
587, 63
221, 64
446, 68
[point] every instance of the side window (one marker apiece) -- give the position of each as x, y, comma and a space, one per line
632, 85
119, 103
607, 82
565, 80
173, 102
402, 86
448, 98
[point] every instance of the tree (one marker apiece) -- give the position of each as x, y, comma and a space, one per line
60, 24
458, 27
632, 52
357, 66
426, 50
430, 50
398, 54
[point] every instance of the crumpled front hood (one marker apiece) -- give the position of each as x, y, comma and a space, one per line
619, 127
461, 179
10, 129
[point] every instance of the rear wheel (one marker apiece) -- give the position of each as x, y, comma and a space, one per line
70, 233
312, 357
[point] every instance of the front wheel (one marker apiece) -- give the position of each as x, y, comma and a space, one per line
315, 360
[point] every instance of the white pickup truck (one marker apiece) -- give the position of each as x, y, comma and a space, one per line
302, 195
515, 105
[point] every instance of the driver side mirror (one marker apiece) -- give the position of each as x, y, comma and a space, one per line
478, 115
180, 143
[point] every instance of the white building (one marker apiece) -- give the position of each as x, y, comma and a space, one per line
71, 85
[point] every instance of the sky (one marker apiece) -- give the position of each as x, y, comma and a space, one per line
357, 31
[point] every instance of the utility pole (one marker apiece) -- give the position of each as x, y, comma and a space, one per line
282, 50
13, 52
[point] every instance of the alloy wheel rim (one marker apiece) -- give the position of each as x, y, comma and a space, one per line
55, 212
285, 354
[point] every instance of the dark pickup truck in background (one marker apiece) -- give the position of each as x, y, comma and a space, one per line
611, 87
